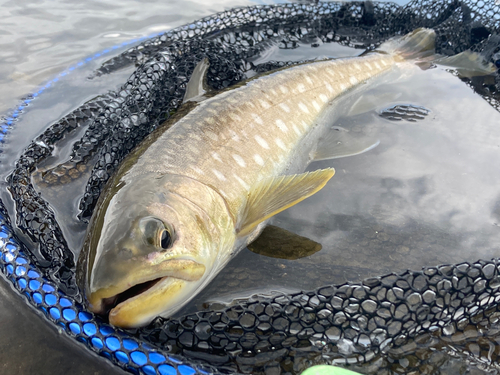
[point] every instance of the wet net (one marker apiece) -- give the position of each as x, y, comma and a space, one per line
414, 322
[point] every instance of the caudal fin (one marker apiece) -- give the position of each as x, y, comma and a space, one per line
418, 44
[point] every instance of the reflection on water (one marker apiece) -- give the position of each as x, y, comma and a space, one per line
426, 195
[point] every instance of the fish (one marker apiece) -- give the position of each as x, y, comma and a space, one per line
204, 186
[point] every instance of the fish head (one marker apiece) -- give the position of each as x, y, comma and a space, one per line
151, 245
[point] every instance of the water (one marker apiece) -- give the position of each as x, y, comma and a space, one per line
38, 40
395, 205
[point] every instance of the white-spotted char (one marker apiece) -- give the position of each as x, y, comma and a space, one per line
200, 189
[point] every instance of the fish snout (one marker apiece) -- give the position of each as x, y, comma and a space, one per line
139, 284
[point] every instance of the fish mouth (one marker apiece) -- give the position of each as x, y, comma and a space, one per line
136, 304
109, 303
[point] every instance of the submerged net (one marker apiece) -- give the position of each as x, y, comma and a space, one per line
381, 324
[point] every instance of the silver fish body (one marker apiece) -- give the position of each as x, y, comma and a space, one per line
198, 191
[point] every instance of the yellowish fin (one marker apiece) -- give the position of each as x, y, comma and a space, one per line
276, 242
275, 194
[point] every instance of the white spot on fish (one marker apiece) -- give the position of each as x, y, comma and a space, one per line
353, 80
210, 120
284, 107
329, 88
330, 72
261, 142
309, 80
264, 104
212, 111
234, 135
323, 97
342, 87
281, 125
257, 119
316, 105
283, 89
234, 117
296, 130
196, 169
232, 100
305, 125
258, 159
193, 149
251, 104
384, 63
219, 175
242, 183
356, 65
195, 136
377, 65
303, 107
280, 143
239, 160
211, 135
216, 156
368, 65
301, 87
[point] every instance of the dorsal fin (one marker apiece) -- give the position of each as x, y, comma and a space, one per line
197, 86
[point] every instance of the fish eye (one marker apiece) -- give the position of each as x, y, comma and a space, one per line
155, 233
165, 240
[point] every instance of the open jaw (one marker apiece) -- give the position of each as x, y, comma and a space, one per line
110, 303
136, 305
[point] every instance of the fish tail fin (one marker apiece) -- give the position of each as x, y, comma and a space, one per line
419, 44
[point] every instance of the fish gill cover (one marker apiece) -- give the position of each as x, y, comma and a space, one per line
389, 324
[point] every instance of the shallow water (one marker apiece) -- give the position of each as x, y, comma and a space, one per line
425, 196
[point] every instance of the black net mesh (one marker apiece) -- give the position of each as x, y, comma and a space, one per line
377, 321
388, 323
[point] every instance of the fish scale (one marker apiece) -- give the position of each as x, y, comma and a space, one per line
226, 143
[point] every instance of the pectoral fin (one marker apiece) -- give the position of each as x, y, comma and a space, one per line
366, 103
197, 86
275, 194
340, 143
277, 242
